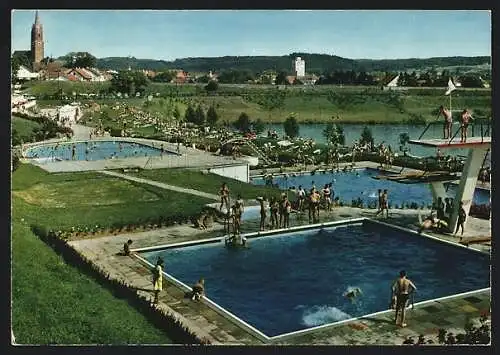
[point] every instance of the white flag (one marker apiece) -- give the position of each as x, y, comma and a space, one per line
451, 87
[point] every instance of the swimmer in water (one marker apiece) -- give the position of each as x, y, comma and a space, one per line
352, 293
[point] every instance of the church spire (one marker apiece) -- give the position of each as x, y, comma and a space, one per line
37, 18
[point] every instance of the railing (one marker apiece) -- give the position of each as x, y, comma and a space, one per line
259, 152
484, 133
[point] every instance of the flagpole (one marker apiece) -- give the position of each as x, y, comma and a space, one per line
450, 106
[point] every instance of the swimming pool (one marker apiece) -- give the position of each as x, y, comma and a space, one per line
360, 184
296, 280
91, 150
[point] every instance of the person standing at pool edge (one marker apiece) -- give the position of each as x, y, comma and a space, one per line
263, 213
224, 196
383, 203
461, 218
158, 279
401, 290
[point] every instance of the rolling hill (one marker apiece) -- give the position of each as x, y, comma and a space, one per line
315, 63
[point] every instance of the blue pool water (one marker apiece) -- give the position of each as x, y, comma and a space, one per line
91, 150
296, 280
349, 186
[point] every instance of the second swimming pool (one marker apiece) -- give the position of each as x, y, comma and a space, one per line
91, 150
360, 184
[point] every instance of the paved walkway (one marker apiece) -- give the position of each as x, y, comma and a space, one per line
160, 185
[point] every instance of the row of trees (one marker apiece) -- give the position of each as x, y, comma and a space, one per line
199, 117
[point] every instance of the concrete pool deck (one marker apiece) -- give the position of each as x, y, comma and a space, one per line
426, 319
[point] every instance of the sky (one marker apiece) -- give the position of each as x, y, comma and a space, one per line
167, 35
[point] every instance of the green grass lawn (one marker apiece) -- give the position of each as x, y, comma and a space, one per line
88, 199
308, 105
24, 127
53, 302
210, 183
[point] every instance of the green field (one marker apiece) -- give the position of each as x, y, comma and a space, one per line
351, 104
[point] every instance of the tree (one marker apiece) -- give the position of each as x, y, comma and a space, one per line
366, 137
243, 123
291, 127
190, 114
203, 79
176, 113
212, 86
200, 116
164, 77
129, 82
79, 60
334, 134
23, 58
258, 126
14, 67
281, 79
212, 116
471, 81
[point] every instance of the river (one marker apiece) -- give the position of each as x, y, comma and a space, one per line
387, 133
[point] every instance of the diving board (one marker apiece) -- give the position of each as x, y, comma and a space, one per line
472, 142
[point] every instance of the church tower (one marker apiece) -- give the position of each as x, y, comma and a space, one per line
37, 43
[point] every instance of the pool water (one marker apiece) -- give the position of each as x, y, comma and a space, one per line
360, 184
296, 280
91, 150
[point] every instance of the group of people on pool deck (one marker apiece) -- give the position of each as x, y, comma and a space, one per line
439, 220
465, 118
233, 215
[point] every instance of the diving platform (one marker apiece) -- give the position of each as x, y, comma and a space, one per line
418, 178
472, 142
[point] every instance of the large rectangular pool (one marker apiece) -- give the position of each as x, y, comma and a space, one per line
296, 280
360, 184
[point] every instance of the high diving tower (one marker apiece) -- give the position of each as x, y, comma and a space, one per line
478, 147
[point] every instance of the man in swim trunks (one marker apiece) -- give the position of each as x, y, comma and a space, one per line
301, 198
352, 293
224, 196
263, 213
238, 211
461, 218
327, 198
465, 118
401, 290
448, 120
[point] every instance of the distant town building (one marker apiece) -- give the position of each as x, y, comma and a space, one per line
24, 73
299, 67
37, 43
393, 85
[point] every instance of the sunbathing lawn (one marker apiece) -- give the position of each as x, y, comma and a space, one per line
53, 302
210, 183
88, 199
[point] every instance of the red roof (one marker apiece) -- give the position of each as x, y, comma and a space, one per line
83, 73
